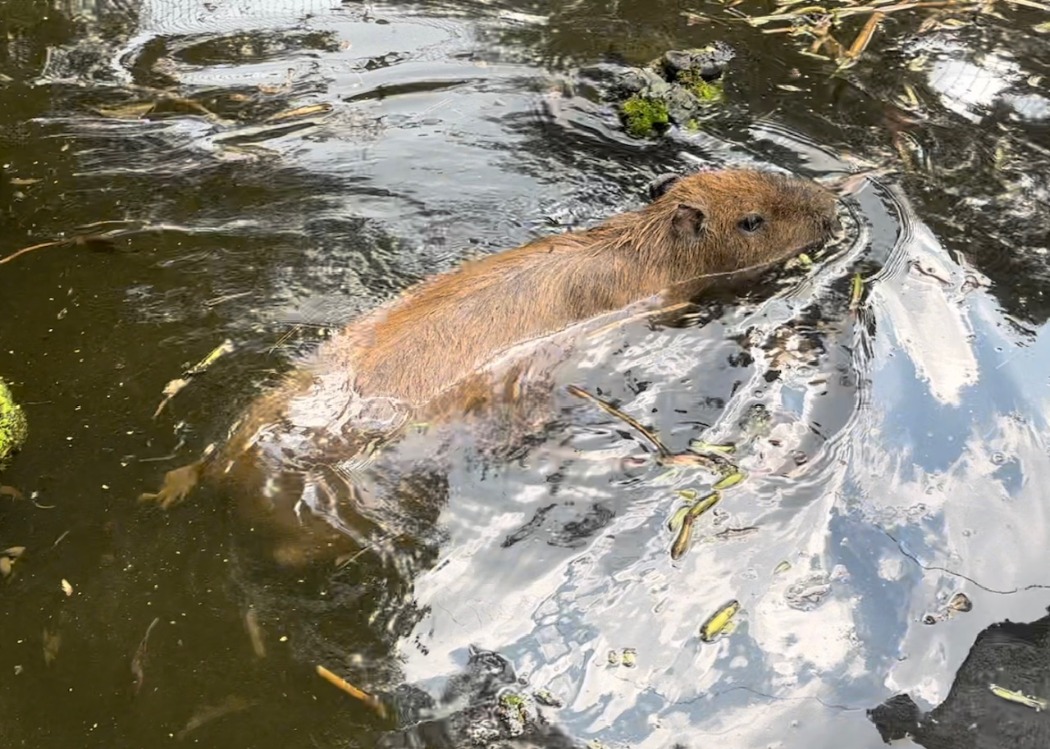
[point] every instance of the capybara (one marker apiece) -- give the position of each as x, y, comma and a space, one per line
463, 339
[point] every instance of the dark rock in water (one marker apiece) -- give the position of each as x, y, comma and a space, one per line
642, 81
499, 712
708, 62
676, 89
603, 75
682, 106
1012, 655
635, 81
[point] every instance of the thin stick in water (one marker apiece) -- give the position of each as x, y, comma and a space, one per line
617, 413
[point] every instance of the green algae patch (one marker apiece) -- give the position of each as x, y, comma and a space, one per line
709, 92
13, 425
644, 116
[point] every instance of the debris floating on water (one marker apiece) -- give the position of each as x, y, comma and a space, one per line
1036, 703
138, 661
717, 622
174, 386
856, 292
373, 702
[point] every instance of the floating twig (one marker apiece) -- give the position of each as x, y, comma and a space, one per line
138, 661
373, 702
32, 248
864, 37
613, 411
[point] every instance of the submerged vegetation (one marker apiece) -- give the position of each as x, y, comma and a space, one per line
678, 88
13, 426
644, 116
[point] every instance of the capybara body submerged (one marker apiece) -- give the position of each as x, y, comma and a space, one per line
460, 341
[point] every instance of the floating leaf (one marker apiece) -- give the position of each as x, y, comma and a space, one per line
676, 520
1036, 703
700, 446
718, 621
685, 535
782, 567
630, 657
856, 292
731, 480
704, 505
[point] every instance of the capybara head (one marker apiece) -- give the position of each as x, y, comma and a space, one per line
725, 220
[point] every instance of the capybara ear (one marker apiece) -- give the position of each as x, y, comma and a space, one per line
662, 184
689, 221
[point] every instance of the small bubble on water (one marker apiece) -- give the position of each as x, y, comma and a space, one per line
998, 458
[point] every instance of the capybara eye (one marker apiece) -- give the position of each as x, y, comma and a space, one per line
751, 223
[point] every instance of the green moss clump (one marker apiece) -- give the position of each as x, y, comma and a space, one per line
512, 700
705, 91
13, 426
644, 116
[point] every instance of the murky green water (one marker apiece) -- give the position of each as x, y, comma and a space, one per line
901, 457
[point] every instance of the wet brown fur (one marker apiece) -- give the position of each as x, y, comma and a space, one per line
447, 327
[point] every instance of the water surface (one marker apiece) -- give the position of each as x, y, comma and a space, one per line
894, 457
